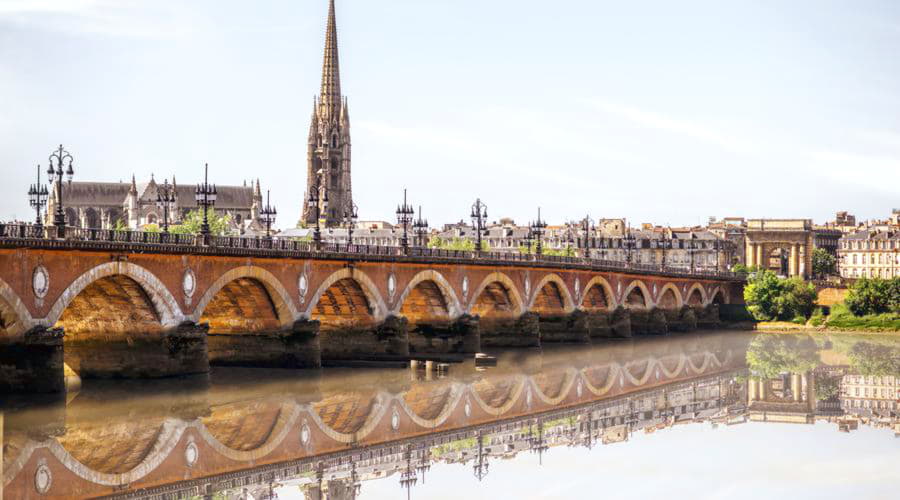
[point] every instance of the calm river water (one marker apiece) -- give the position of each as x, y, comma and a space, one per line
714, 415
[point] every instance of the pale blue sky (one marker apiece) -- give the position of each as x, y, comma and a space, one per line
654, 110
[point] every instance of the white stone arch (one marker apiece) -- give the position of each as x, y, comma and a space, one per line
568, 301
284, 305
505, 281
648, 297
607, 289
24, 321
678, 298
454, 307
164, 302
376, 302
704, 298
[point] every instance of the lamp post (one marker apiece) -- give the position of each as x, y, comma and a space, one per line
589, 228
351, 217
165, 197
37, 198
529, 239
538, 228
317, 202
408, 475
206, 195
630, 244
420, 227
481, 466
404, 218
538, 445
60, 159
268, 213
691, 248
479, 219
666, 244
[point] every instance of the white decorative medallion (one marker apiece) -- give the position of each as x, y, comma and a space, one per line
43, 478
395, 420
468, 409
392, 285
303, 286
304, 434
579, 389
577, 289
189, 283
465, 287
40, 282
527, 285
191, 453
528, 397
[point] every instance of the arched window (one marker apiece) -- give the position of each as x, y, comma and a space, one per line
334, 141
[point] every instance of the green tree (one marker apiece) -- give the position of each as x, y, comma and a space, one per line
823, 263
877, 360
874, 296
769, 297
770, 355
456, 243
219, 225
562, 252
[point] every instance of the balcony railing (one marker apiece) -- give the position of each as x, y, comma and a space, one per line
141, 240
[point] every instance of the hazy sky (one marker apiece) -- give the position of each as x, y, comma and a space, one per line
655, 110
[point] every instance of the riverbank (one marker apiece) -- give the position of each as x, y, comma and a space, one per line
789, 327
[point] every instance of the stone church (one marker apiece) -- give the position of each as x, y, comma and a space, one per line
102, 205
328, 169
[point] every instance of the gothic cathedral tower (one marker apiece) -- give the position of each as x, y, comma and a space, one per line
329, 139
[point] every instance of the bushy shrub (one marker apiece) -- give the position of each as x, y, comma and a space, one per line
769, 297
874, 296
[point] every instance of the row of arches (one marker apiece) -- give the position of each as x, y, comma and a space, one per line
123, 298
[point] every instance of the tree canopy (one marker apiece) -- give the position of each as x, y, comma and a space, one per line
219, 225
769, 297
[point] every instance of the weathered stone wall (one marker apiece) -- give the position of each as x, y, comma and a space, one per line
524, 331
34, 365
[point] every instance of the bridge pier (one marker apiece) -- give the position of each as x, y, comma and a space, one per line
461, 336
33, 363
524, 331
574, 327
182, 351
388, 340
294, 348
612, 324
708, 317
648, 322
681, 320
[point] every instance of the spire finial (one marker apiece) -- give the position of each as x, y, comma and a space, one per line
331, 71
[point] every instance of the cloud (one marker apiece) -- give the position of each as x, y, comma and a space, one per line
709, 135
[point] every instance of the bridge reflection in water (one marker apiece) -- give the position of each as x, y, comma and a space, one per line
331, 433
248, 433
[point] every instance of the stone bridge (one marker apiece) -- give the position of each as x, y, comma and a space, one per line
146, 309
224, 437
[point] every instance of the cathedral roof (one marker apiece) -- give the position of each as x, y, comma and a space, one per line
100, 194
95, 193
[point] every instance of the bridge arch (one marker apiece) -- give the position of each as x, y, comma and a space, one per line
349, 281
598, 295
15, 319
251, 282
637, 296
451, 302
719, 296
498, 292
669, 297
551, 293
164, 304
697, 291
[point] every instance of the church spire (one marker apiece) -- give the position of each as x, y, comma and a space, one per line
331, 69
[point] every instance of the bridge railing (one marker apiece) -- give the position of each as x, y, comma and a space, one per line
293, 245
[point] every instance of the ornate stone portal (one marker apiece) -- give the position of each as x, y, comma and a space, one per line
781, 245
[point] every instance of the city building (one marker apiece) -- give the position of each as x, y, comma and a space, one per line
328, 155
869, 253
107, 205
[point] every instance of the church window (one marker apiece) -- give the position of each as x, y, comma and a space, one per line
334, 141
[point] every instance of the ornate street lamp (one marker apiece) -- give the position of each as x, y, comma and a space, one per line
481, 466
587, 225
479, 219
405, 213
538, 228
420, 227
630, 245
206, 195
355, 484
60, 159
317, 203
691, 248
268, 213
351, 217
408, 476
425, 464
666, 244
37, 198
529, 240
538, 445
165, 198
